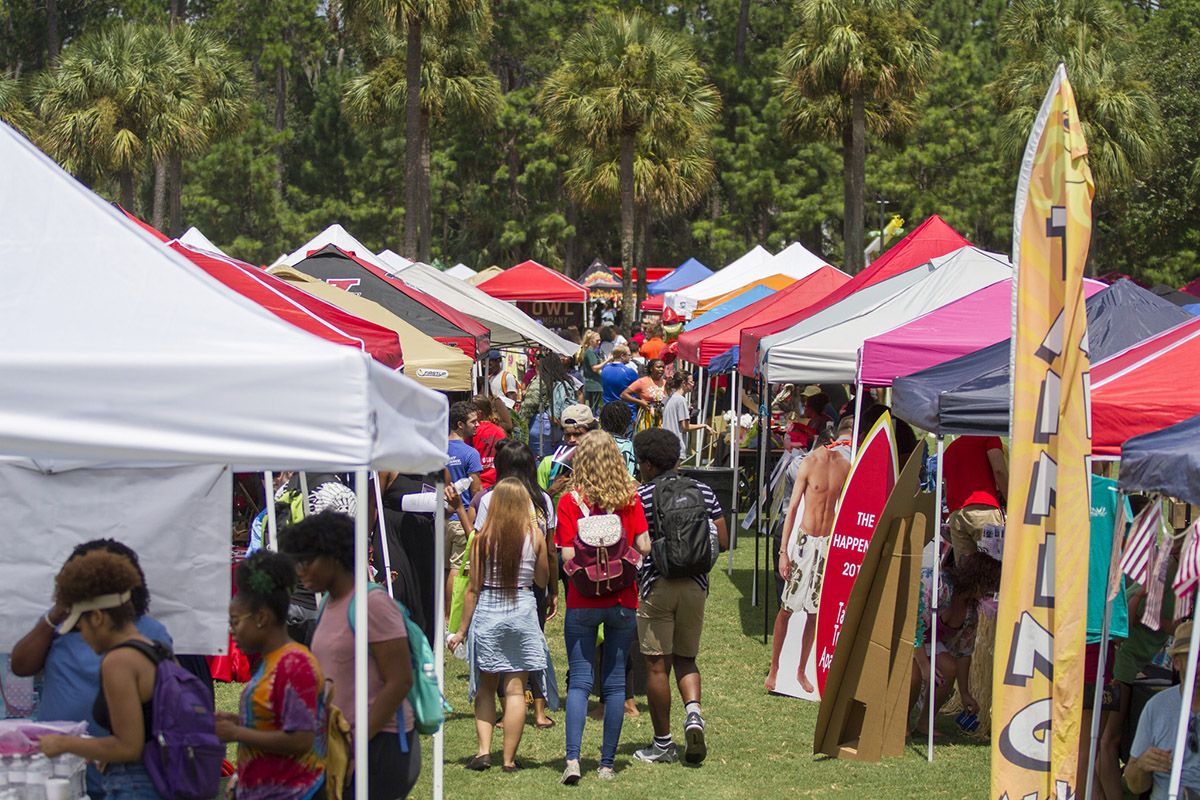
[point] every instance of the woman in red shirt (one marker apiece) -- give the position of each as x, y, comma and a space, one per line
600, 485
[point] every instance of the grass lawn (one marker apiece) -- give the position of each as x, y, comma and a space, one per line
759, 746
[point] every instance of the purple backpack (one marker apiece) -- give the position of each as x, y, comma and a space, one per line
604, 562
183, 754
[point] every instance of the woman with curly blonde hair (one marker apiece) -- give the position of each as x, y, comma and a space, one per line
602, 497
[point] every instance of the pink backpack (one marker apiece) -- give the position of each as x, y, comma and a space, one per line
604, 562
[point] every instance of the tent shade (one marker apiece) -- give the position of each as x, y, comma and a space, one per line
1192, 288
485, 275
653, 304
964, 326
699, 346
430, 315
1174, 295
830, 354
340, 238
773, 283
793, 261
460, 271
1131, 391
150, 361
970, 394
652, 273
731, 305
724, 363
302, 310
1166, 461
683, 276
930, 239
427, 361
599, 276
530, 281
509, 326
193, 238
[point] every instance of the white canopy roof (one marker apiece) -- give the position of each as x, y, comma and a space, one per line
338, 236
794, 261
509, 325
117, 350
192, 237
824, 347
461, 271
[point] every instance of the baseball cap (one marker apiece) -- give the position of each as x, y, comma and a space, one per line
494, 355
578, 415
1183, 639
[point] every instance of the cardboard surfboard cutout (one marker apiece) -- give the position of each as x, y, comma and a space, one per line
870, 482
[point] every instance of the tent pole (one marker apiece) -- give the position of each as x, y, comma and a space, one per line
304, 493
439, 616
733, 382
857, 415
538, 416
937, 574
700, 387
733, 465
360, 634
272, 524
764, 423
383, 542
1185, 714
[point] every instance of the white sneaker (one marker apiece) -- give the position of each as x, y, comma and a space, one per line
658, 755
693, 734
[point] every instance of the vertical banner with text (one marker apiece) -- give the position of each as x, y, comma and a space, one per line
1040, 628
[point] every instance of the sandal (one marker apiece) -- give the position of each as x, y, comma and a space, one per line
513, 767
545, 726
479, 763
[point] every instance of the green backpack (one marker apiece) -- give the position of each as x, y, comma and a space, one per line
428, 704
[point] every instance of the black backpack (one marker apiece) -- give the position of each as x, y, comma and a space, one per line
685, 544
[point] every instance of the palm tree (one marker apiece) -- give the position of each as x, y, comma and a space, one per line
117, 99
412, 17
853, 65
1118, 111
622, 78
455, 81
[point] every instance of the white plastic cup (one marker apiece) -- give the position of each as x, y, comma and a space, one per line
58, 789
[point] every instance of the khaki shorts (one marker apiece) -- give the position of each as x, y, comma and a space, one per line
802, 592
671, 617
966, 527
456, 544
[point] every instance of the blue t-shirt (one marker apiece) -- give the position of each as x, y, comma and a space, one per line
1156, 728
463, 461
615, 378
1104, 517
71, 676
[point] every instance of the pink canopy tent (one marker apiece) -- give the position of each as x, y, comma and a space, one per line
981, 318
930, 239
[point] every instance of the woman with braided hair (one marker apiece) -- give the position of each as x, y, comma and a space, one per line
281, 720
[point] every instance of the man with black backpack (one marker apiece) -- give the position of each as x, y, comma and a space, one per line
687, 532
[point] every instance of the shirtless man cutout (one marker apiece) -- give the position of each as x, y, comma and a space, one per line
819, 482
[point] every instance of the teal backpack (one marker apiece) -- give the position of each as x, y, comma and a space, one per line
428, 704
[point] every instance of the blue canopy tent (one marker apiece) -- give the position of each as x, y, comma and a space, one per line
689, 272
724, 363
1165, 461
970, 394
729, 306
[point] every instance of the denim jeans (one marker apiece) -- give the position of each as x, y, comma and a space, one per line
580, 628
128, 782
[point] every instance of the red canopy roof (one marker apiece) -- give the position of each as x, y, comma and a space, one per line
701, 345
531, 281
297, 307
1192, 288
146, 226
652, 273
930, 239
654, 303
1144, 388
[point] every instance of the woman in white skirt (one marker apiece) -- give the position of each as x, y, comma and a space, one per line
499, 621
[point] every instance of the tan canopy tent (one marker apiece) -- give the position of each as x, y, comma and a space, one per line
429, 363
485, 275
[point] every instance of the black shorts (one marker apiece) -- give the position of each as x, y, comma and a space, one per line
390, 772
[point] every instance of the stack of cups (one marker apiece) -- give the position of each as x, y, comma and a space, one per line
59, 789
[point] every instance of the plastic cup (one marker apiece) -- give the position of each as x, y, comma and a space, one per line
58, 789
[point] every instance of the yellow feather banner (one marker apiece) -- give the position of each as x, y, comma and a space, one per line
1037, 680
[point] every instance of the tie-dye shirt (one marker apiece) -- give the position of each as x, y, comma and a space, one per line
287, 693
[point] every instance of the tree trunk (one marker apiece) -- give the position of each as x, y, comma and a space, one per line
175, 195
178, 11
642, 259
125, 177
625, 177
280, 123
570, 262
159, 212
739, 42
854, 155
412, 136
53, 42
425, 240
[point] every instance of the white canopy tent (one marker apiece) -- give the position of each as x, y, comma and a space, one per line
723, 280
338, 236
510, 326
192, 237
824, 348
120, 353
460, 271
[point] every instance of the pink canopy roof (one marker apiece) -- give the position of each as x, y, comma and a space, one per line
981, 318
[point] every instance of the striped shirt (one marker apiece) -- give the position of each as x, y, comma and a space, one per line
647, 574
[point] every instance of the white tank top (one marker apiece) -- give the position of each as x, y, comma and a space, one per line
524, 571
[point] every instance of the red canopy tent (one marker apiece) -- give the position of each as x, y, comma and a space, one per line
1145, 388
530, 281
701, 345
652, 273
424, 312
930, 239
297, 307
147, 227
1192, 288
